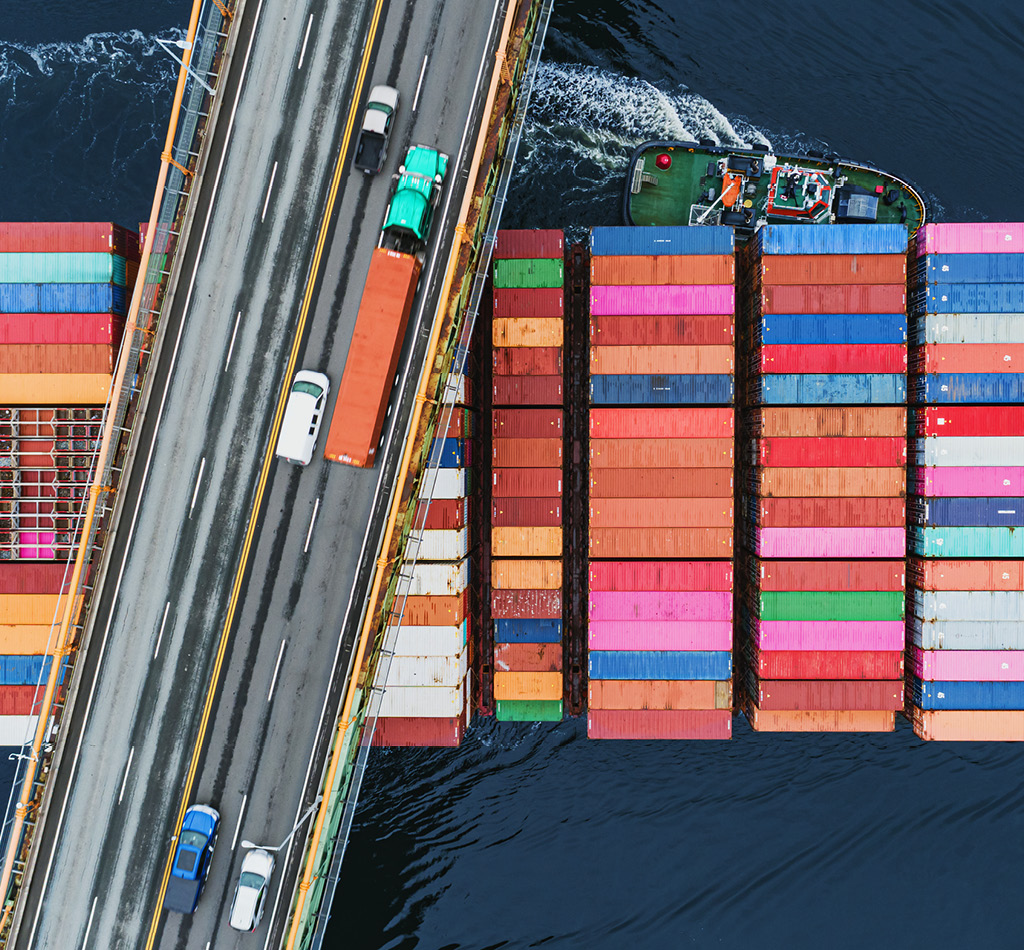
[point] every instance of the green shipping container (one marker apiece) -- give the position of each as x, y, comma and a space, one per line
966, 542
832, 605
528, 272
66, 267
529, 710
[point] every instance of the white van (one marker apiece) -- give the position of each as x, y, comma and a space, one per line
302, 417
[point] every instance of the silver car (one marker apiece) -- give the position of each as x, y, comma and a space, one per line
251, 891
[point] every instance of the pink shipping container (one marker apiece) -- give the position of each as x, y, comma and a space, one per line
73, 328
836, 542
31, 578
660, 635
661, 423
961, 482
829, 634
983, 666
659, 724
660, 605
662, 300
525, 243
533, 302
527, 390
973, 238
661, 575
839, 299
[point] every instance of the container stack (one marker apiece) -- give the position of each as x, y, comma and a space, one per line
527, 434
824, 533
965, 627
661, 483
427, 698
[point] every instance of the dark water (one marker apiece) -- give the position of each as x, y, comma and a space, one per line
530, 836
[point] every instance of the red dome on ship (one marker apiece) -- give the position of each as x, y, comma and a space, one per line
663, 161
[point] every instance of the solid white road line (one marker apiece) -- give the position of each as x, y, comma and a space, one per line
302, 55
270, 188
160, 635
419, 84
234, 333
312, 521
238, 827
92, 914
277, 667
199, 479
127, 769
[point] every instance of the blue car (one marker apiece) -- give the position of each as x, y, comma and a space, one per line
192, 857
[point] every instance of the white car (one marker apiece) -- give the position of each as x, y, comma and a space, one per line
303, 414
251, 890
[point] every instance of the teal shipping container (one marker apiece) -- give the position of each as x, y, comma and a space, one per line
67, 267
832, 605
966, 542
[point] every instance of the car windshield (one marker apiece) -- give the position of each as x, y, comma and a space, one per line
193, 839
187, 859
310, 388
249, 879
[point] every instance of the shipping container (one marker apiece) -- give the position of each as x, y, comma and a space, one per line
611, 360
834, 298
366, 383
989, 512
460, 423
831, 512
451, 453
98, 237
62, 298
834, 330
850, 452
956, 575
998, 268
435, 610
428, 641
836, 239
831, 482
31, 608
969, 328
445, 483
60, 328
620, 543
427, 670
965, 542
971, 665
821, 720
827, 664
659, 723
527, 361
831, 389
615, 241
969, 725
660, 453
661, 513
967, 604
660, 576
639, 423
661, 483
528, 710
526, 604
833, 269
24, 670
976, 237
527, 391
24, 700
966, 634
659, 694
528, 272
443, 513
836, 542
661, 390
830, 575
526, 423
968, 421
432, 702
832, 358
25, 638
61, 389
660, 605
831, 605
656, 299
526, 453
525, 630
662, 269
885, 635
945, 388
952, 694
969, 358
528, 657
699, 329
660, 635
970, 298
443, 545
525, 243
660, 665
526, 512
527, 331
91, 358
964, 481
62, 267
411, 731
830, 694
526, 483
17, 730
530, 542
32, 578
517, 685
543, 302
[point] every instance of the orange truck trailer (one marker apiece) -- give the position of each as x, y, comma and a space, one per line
355, 431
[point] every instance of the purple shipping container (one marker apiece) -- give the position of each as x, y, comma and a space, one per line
988, 666
660, 605
660, 635
829, 635
973, 238
834, 542
669, 300
964, 482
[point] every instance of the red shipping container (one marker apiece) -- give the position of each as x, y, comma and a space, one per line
526, 483
830, 694
409, 731
459, 426
444, 514
878, 452
528, 657
946, 574
56, 358
527, 390
30, 578
526, 244
827, 664
659, 724
661, 423
831, 575
526, 512
527, 361
837, 298
101, 237
20, 700
969, 420
968, 358
661, 575
697, 329
67, 328
825, 358
832, 512
531, 302
834, 269
526, 453
526, 604
35, 453
526, 423
661, 483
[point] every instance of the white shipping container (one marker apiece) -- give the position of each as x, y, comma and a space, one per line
428, 670
430, 641
444, 483
972, 450
967, 634
430, 702
968, 605
14, 730
442, 545
974, 328
436, 580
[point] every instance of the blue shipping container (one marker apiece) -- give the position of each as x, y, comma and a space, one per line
449, 453
527, 631
965, 542
834, 239
24, 670
62, 298
660, 665
965, 694
661, 390
969, 298
606, 242
969, 328
983, 512
834, 328
971, 268
947, 388
833, 389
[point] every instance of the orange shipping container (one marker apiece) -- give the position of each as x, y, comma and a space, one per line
56, 358
833, 482
834, 269
527, 685
528, 657
661, 542
62, 389
526, 331
661, 512
25, 639
526, 575
660, 453
959, 725
659, 694
821, 720
526, 453
30, 608
644, 269
661, 483
634, 360
433, 611
526, 542
830, 421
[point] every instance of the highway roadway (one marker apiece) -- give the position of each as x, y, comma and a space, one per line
217, 631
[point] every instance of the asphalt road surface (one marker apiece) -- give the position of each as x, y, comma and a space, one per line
159, 638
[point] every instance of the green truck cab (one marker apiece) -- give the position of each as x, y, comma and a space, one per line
417, 190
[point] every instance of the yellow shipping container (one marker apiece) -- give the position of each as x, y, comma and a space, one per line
526, 542
28, 608
526, 331
526, 575
527, 685
24, 639
74, 389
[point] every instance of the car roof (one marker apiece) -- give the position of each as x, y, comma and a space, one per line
244, 907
